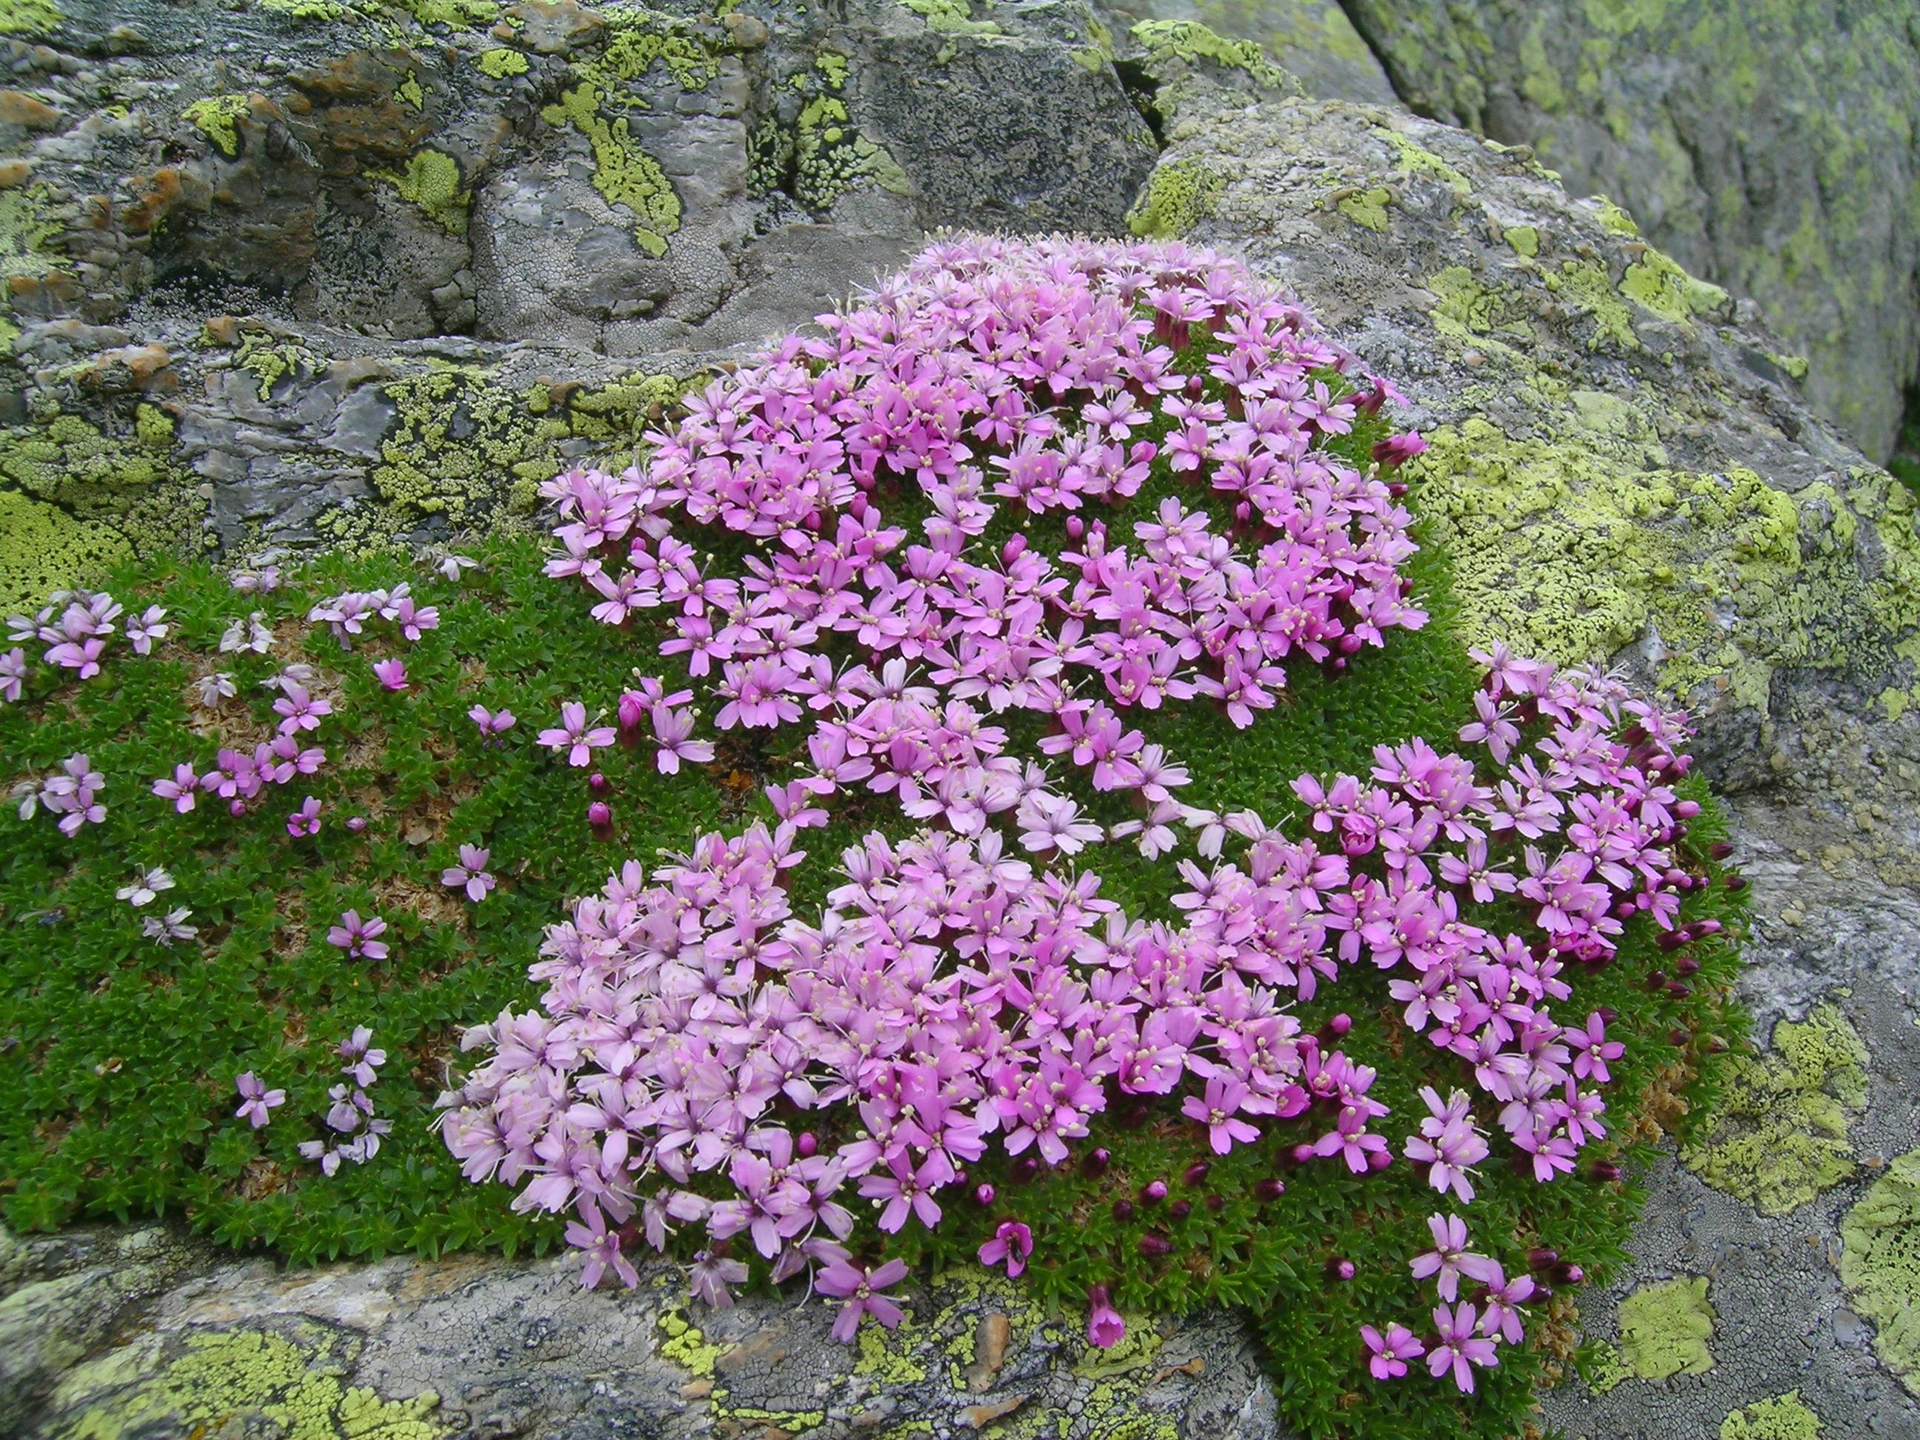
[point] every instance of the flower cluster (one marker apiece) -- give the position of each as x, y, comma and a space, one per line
705, 1056
77, 638
349, 614
69, 793
356, 1130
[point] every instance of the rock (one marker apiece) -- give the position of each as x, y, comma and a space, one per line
1765, 146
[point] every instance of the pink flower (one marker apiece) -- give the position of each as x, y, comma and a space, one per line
1389, 1353
1104, 1325
470, 874
574, 736
674, 730
391, 673
491, 723
1450, 1258
13, 674
1217, 1111
300, 711
256, 1100
1012, 1243
860, 1288
306, 820
1459, 1347
602, 1247
359, 937
181, 789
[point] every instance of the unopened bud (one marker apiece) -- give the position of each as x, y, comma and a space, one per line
1153, 1192
1270, 1189
1197, 1172
1215, 1203
598, 786
1604, 1171
1180, 1209
1123, 1210
1096, 1162
808, 1145
1568, 1275
1542, 1259
1025, 1168
1153, 1244
983, 1194
1341, 1270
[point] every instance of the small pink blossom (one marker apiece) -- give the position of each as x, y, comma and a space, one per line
470, 874
391, 673
359, 938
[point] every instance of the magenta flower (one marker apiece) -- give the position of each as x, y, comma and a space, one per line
860, 1287
1450, 1258
674, 730
1459, 1347
470, 874
256, 1100
574, 736
712, 1278
146, 628
299, 710
1218, 1112
391, 673
1104, 1325
306, 820
359, 938
13, 674
1012, 1243
1388, 1354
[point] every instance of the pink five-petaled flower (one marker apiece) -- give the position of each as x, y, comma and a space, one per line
573, 736
306, 820
391, 673
492, 723
181, 789
1104, 1325
359, 937
713, 1277
298, 710
1388, 1354
1218, 1112
256, 1100
13, 674
470, 874
1012, 1243
1450, 1258
603, 1249
674, 730
860, 1288
1458, 1347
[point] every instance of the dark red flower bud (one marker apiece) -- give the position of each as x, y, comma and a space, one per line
1025, 1168
600, 820
1720, 849
1341, 1270
1736, 882
1679, 989
1270, 1189
808, 1145
1153, 1192
1687, 809
1706, 927
1196, 1172
983, 1194
1396, 450
1715, 1045
1153, 1243
1678, 1038
1542, 1258
1301, 1154
597, 786
1656, 979
1123, 1210
1686, 965
1397, 489
1180, 1209
1671, 940
1215, 1203
1604, 1171
1568, 1275
1096, 1162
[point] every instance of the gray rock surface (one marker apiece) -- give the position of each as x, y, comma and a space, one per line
270, 322
1769, 145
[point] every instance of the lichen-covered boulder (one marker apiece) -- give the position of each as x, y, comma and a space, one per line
1766, 145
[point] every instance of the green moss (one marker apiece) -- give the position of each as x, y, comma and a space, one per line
1368, 208
43, 549
1785, 1417
1192, 43
623, 172
500, 62
218, 118
253, 1379
1179, 195
28, 17
1664, 1329
1656, 282
1880, 1265
1779, 1135
432, 182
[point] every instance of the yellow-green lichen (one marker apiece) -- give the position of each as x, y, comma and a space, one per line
270, 360
1588, 287
432, 182
1179, 195
1192, 43
1524, 239
28, 234
685, 1344
1779, 1135
623, 172
305, 9
1606, 1368
821, 155
1794, 365
1880, 1265
243, 1381
1416, 160
455, 14
43, 549
950, 17
1664, 1329
1367, 208
1613, 218
218, 118
28, 17
1784, 1417
878, 1357
500, 62
1656, 282
409, 90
